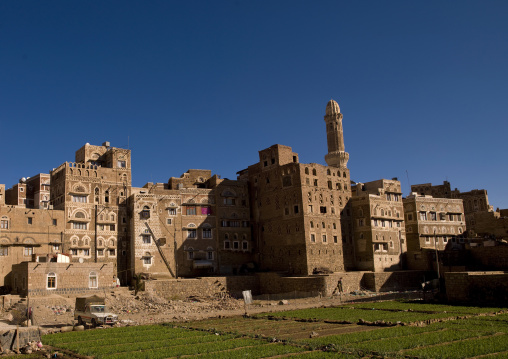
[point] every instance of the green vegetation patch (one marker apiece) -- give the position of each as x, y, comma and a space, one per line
464, 349
354, 315
425, 307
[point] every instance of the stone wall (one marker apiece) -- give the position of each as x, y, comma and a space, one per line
477, 287
14, 339
274, 283
205, 287
393, 281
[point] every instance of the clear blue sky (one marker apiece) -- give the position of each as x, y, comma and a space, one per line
422, 86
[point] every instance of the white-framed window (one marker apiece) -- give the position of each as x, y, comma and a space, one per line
191, 233
313, 238
74, 252
78, 225
209, 255
121, 164
56, 247
79, 198
324, 238
147, 239
236, 245
4, 224
427, 240
100, 252
207, 233
172, 211
51, 281
86, 252
93, 280
147, 259
112, 252
423, 216
28, 251
169, 221
4, 251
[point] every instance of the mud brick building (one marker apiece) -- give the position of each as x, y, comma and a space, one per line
481, 219
30, 192
93, 192
26, 232
378, 222
35, 278
194, 225
279, 215
297, 209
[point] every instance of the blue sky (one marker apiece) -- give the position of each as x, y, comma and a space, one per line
207, 84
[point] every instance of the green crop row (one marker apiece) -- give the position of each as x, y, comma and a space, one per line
110, 332
111, 336
354, 315
464, 349
424, 307
416, 340
149, 343
202, 348
260, 351
359, 337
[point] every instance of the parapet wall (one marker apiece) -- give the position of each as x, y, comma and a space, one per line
274, 283
477, 287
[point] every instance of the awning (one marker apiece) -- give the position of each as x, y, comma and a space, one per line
203, 264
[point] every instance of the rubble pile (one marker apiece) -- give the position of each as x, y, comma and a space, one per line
150, 304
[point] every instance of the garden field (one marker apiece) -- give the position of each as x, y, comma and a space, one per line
353, 331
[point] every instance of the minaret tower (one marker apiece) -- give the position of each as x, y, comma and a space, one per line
337, 156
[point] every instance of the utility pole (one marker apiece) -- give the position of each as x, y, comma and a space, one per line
437, 258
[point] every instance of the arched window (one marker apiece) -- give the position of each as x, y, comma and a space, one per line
328, 172
314, 173
382, 212
93, 280
306, 170
79, 215
51, 281
344, 175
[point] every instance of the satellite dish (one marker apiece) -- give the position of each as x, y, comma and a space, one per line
81, 260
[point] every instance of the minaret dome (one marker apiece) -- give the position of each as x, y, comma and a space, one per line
332, 108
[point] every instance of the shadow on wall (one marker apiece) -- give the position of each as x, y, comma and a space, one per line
395, 281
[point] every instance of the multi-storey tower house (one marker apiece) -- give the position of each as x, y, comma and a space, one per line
432, 223
296, 208
480, 218
379, 233
93, 192
196, 224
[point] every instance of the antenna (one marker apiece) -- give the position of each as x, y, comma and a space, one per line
408, 183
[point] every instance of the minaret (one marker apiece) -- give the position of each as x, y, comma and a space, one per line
337, 156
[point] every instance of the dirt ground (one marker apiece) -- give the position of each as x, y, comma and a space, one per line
147, 308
